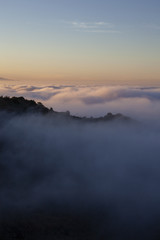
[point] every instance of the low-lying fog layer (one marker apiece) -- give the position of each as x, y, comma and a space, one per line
107, 173
142, 103
109, 170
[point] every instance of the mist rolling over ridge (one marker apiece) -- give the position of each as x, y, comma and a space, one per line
67, 179
80, 120
137, 102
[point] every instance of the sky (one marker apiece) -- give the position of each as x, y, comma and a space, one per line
90, 57
80, 42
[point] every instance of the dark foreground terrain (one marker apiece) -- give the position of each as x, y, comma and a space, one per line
19, 105
64, 177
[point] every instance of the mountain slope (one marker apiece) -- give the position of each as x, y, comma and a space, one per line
20, 105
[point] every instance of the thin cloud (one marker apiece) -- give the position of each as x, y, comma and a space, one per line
93, 27
5, 79
100, 31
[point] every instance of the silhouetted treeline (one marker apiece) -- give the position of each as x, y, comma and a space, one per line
20, 105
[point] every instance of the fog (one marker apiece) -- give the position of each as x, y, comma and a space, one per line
109, 172
142, 103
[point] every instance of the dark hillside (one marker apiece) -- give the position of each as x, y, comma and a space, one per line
20, 105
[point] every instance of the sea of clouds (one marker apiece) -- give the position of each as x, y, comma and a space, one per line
142, 103
111, 170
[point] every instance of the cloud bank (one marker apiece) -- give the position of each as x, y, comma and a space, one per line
108, 174
141, 103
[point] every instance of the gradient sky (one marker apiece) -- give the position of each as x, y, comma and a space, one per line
80, 41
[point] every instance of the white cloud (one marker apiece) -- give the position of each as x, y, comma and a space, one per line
93, 27
136, 102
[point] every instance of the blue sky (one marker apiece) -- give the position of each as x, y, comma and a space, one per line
117, 11
81, 41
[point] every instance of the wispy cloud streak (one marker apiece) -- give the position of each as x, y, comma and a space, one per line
5, 79
93, 27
